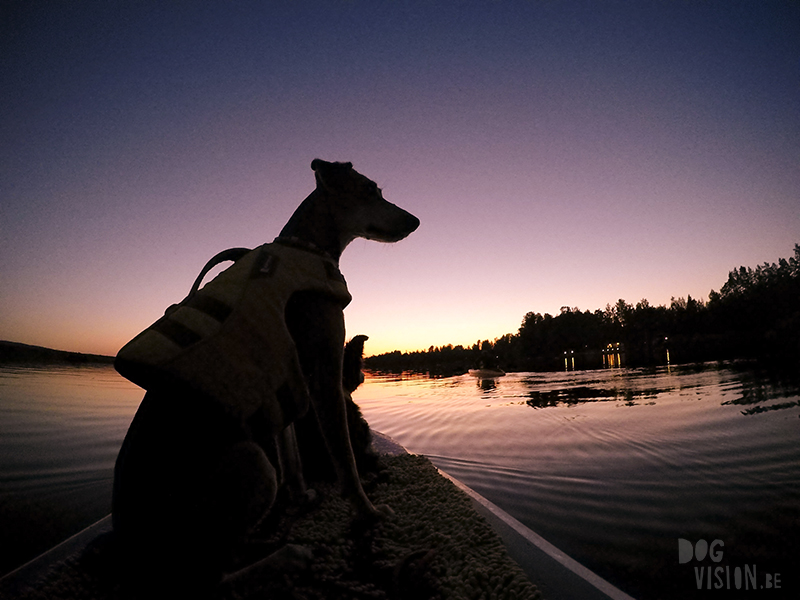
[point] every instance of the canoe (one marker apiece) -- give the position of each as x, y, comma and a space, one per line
486, 373
555, 574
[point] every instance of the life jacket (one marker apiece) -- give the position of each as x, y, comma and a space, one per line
229, 339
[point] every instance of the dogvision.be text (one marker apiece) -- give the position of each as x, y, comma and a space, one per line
723, 576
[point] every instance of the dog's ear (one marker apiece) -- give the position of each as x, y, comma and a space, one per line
317, 164
330, 175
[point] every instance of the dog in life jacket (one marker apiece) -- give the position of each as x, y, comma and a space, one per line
199, 467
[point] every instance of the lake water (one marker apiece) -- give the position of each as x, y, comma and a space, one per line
611, 466
615, 466
60, 431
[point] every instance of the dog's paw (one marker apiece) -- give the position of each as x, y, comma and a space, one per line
307, 501
293, 558
382, 511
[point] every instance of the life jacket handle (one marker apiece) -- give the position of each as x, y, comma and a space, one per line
233, 254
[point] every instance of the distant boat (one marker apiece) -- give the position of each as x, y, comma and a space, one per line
486, 373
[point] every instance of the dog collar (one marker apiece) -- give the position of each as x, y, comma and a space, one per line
296, 242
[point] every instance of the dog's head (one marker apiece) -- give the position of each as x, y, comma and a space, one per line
353, 363
360, 209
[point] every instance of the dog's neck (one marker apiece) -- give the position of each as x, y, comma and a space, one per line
296, 242
313, 224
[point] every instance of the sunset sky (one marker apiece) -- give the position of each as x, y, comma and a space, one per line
557, 153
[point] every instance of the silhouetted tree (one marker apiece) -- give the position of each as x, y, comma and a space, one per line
756, 314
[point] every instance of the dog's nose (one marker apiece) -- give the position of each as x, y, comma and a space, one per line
413, 222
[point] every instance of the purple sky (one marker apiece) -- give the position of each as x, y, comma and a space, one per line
557, 153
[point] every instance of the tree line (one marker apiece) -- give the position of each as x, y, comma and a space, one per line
754, 315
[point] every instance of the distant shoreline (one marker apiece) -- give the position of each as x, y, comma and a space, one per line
15, 353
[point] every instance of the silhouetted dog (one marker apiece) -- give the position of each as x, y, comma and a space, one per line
191, 481
317, 465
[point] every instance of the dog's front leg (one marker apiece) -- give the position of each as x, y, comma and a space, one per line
329, 402
317, 326
291, 465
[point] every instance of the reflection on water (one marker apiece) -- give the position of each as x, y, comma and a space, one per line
576, 395
761, 395
613, 356
57, 423
487, 385
753, 391
615, 465
60, 431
